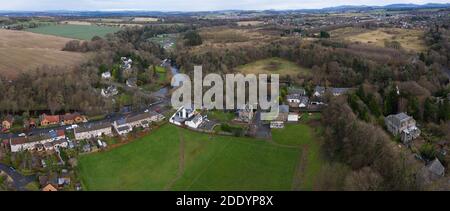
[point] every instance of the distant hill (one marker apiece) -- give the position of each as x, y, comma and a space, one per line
390, 6
132, 13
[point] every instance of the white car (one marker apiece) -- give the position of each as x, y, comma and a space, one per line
22, 135
74, 126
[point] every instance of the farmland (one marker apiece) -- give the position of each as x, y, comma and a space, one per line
250, 23
409, 39
23, 51
273, 66
172, 158
78, 31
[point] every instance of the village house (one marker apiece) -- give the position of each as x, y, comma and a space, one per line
30, 123
110, 91
64, 178
125, 125
143, 119
132, 82
49, 119
36, 142
403, 125
93, 130
126, 63
195, 121
181, 115
297, 101
293, 117
8, 122
69, 119
282, 117
122, 127
319, 91
246, 113
433, 171
293, 98
296, 90
49, 188
436, 169
339, 91
106, 75
58, 144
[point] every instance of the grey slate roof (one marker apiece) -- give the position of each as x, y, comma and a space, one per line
123, 128
402, 116
304, 99
296, 90
436, 167
196, 118
92, 127
319, 89
339, 91
284, 109
294, 96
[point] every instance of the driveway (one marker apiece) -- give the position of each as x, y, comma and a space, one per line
19, 181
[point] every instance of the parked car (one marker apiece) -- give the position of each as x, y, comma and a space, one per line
22, 135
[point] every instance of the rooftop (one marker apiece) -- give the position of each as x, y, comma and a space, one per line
402, 116
92, 127
436, 167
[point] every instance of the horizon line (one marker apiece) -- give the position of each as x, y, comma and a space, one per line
221, 10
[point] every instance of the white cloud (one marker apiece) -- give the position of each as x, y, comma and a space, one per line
190, 5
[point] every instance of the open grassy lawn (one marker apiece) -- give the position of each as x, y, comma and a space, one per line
82, 32
209, 163
273, 66
302, 135
221, 116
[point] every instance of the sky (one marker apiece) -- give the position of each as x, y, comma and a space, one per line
190, 5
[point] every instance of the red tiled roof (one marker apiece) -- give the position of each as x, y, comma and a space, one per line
9, 118
51, 118
70, 116
60, 133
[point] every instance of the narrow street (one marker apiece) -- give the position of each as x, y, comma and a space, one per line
19, 180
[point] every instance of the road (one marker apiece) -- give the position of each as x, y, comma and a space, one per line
19, 181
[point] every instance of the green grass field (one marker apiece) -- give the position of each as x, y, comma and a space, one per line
82, 32
303, 135
221, 116
209, 163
